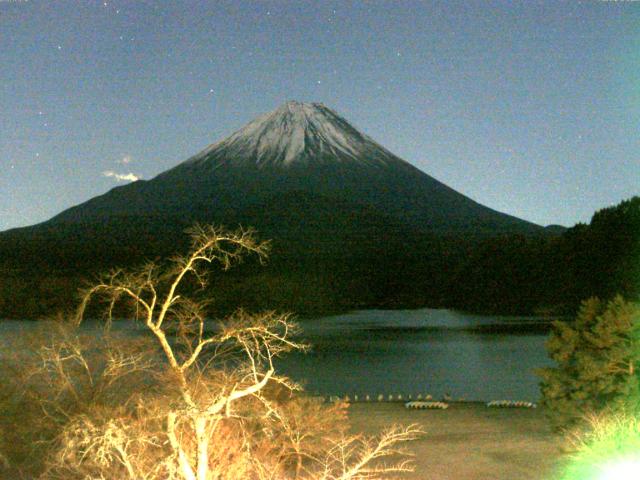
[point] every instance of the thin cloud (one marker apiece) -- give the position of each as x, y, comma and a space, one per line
125, 160
121, 177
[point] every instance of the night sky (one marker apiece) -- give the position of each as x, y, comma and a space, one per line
531, 108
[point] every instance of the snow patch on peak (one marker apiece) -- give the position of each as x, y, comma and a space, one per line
297, 132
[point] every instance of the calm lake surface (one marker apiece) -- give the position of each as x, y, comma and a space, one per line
422, 352
408, 352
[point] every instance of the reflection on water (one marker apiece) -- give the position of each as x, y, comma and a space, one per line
422, 351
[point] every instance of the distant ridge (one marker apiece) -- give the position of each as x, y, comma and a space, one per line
555, 229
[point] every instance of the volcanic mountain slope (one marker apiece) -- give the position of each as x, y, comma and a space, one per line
352, 224
300, 149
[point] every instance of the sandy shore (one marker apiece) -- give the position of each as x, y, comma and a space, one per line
469, 441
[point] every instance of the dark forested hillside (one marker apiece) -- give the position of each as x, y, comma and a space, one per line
332, 267
554, 273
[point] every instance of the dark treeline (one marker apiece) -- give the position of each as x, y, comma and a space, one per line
328, 267
554, 274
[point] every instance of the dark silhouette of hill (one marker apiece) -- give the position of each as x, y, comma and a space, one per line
553, 274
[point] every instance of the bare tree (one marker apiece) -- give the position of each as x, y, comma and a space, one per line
52, 375
218, 409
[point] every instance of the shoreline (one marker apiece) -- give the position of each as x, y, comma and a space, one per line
469, 441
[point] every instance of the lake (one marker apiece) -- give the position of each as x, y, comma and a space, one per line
410, 352
423, 351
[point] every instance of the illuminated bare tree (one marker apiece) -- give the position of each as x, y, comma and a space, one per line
222, 412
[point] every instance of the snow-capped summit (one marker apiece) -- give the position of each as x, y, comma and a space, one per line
292, 166
299, 133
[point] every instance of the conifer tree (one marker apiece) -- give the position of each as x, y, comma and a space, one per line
597, 360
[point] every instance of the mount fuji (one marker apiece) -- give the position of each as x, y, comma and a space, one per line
352, 224
298, 150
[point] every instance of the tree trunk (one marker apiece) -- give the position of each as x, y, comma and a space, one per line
200, 425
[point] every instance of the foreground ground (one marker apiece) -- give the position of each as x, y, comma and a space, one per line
469, 441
